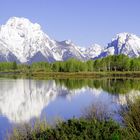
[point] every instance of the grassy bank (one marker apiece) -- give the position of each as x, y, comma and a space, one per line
88, 74
44, 74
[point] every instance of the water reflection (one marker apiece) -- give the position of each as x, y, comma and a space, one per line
22, 99
113, 85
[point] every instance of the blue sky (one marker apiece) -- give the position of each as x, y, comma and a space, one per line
83, 21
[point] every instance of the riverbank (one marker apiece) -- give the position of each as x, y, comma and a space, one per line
88, 74
43, 74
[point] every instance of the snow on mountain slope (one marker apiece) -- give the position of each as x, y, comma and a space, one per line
25, 42
69, 50
92, 52
123, 43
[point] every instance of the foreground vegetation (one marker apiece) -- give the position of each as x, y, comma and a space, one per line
92, 126
131, 115
74, 129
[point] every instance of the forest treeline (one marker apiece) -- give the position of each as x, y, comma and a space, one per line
110, 63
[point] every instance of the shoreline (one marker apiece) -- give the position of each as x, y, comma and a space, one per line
43, 74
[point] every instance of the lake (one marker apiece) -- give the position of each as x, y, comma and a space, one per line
23, 100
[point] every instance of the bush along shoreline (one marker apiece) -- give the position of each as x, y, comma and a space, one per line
91, 126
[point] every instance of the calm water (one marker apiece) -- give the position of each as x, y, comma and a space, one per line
23, 100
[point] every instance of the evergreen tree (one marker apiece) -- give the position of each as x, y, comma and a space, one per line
14, 65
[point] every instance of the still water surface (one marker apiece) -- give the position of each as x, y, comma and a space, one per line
23, 100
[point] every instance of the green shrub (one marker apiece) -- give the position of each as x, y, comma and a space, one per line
73, 129
87, 129
131, 118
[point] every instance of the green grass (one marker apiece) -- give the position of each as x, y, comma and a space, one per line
88, 74
131, 116
42, 74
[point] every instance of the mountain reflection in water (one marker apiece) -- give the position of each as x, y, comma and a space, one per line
23, 99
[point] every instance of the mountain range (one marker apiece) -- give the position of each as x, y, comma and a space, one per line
24, 42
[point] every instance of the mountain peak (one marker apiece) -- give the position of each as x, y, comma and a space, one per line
24, 42
68, 42
16, 21
124, 43
123, 37
21, 23
27, 43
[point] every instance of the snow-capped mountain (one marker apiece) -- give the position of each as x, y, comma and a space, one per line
91, 52
25, 42
68, 50
123, 43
